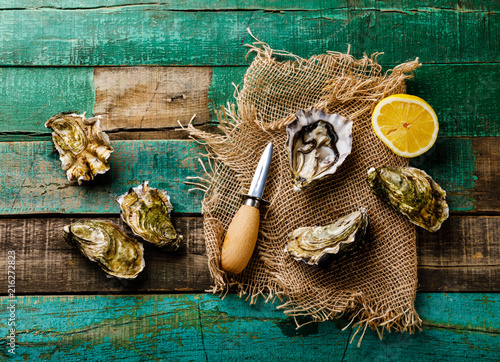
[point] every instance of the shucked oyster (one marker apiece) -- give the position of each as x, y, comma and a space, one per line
147, 212
102, 242
313, 245
413, 193
83, 148
318, 143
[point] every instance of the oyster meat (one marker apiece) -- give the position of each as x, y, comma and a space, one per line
147, 211
413, 193
117, 254
82, 145
318, 143
315, 245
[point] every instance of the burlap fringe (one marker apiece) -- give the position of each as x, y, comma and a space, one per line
367, 86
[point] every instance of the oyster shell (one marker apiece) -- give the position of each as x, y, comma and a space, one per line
318, 143
83, 147
314, 245
117, 254
147, 211
413, 193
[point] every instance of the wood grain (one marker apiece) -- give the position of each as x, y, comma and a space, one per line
204, 327
407, 5
154, 98
462, 257
30, 96
487, 171
158, 35
151, 97
46, 263
32, 180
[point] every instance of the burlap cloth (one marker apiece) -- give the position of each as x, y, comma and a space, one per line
376, 287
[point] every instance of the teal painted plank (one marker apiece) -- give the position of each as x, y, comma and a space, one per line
450, 162
30, 96
437, 5
32, 180
106, 36
222, 87
203, 327
465, 97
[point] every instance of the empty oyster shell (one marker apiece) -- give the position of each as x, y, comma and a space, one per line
117, 254
83, 147
413, 193
147, 211
318, 143
314, 245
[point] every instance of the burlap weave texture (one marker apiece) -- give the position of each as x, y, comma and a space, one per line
376, 287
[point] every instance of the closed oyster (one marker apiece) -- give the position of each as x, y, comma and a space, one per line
117, 254
314, 245
413, 193
83, 147
318, 143
147, 211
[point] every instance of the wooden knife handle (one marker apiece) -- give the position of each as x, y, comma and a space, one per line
240, 239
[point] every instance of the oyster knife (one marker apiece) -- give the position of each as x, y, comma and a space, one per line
241, 235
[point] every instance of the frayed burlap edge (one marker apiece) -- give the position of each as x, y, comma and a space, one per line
362, 311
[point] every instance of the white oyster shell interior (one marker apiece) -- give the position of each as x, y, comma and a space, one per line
318, 143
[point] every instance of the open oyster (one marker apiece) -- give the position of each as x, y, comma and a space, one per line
117, 254
318, 143
413, 193
147, 211
83, 147
314, 245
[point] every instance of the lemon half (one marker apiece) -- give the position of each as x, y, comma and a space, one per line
406, 124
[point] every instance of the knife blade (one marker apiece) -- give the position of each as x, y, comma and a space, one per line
241, 236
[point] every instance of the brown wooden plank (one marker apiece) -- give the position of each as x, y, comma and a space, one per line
487, 171
46, 263
463, 256
151, 98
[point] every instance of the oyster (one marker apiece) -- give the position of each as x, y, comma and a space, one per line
413, 193
117, 254
83, 147
318, 143
147, 211
314, 245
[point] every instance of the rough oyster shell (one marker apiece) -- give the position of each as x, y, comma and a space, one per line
83, 147
314, 245
147, 211
318, 143
117, 254
413, 193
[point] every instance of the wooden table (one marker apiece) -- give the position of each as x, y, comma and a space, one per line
142, 67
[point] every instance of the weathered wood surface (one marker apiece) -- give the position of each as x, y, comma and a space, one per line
154, 98
203, 327
458, 43
465, 96
32, 180
46, 263
160, 35
462, 257
409, 5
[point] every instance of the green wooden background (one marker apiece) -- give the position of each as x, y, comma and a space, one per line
50, 54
